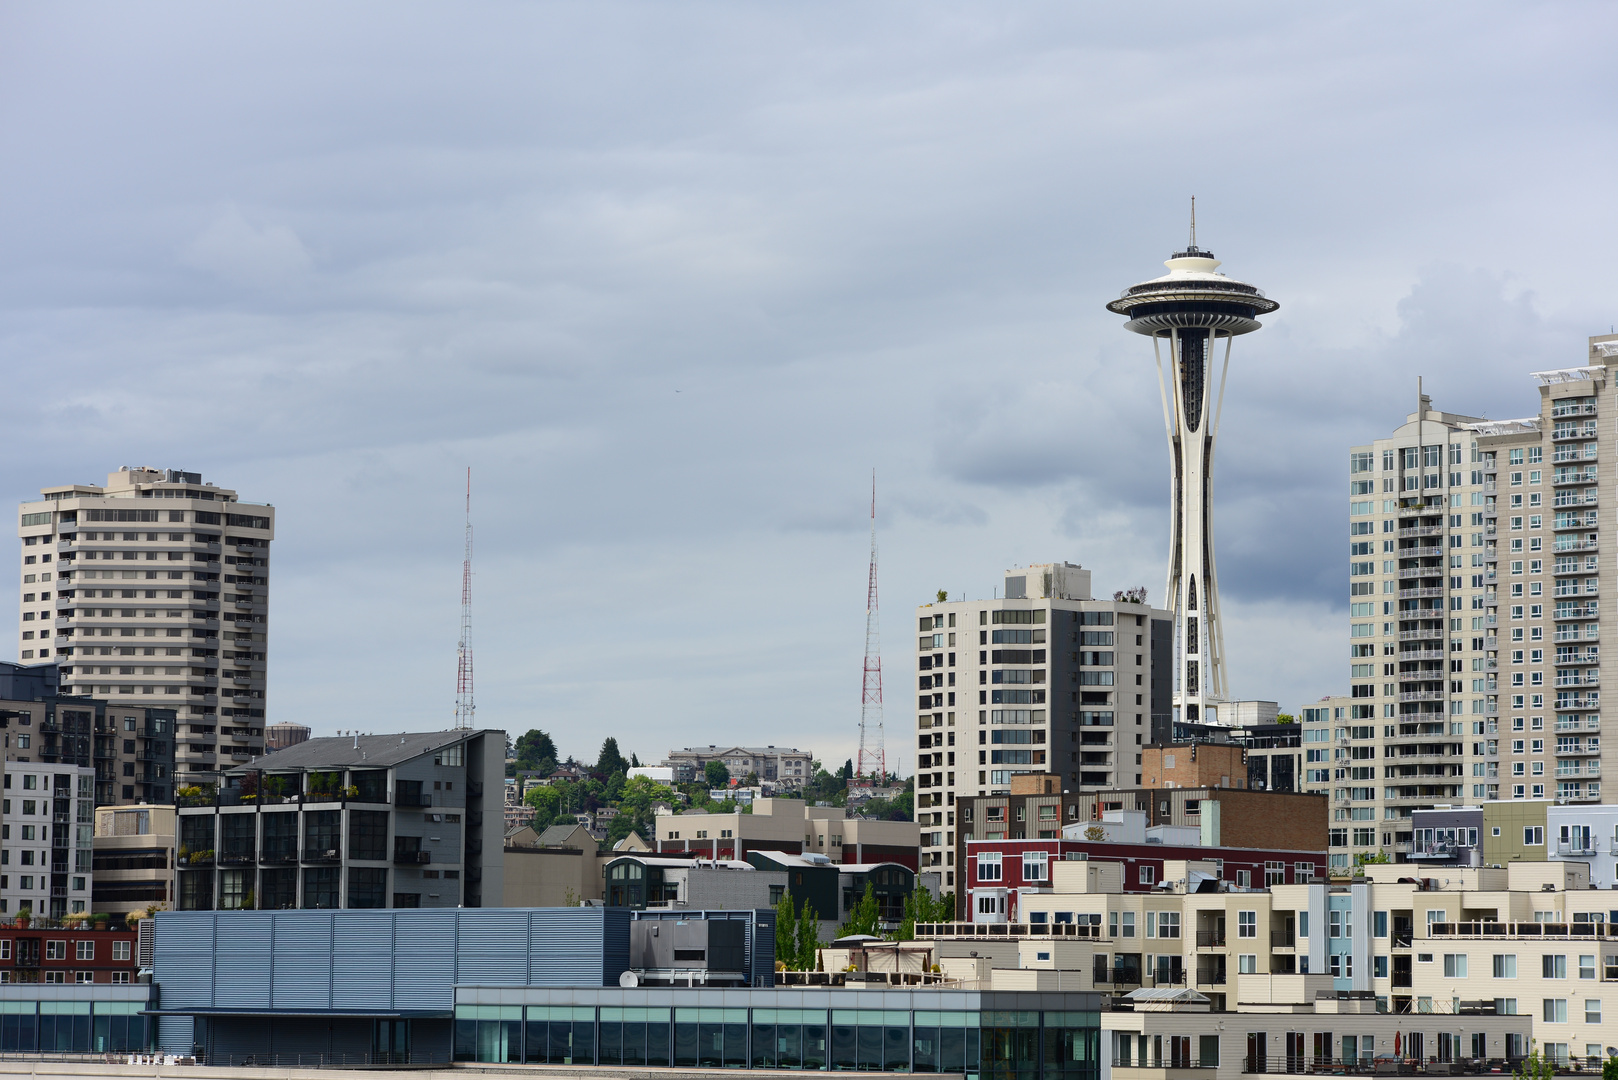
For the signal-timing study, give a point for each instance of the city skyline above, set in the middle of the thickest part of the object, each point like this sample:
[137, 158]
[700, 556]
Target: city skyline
[674, 328]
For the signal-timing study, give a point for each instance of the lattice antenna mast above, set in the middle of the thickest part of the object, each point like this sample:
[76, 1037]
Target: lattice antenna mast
[464, 707]
[872, 762]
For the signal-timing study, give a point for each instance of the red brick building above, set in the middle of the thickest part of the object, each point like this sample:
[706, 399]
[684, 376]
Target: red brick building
[1003, 869]
[38, 955]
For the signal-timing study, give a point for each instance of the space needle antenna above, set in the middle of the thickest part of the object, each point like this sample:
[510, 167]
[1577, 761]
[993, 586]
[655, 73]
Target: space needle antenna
[464, 707]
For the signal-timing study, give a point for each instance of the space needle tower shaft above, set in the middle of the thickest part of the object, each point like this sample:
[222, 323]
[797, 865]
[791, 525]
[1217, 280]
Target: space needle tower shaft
[1188, 313]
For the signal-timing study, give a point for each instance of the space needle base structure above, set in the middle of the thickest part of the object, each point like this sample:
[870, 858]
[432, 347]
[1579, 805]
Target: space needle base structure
[1186, 313]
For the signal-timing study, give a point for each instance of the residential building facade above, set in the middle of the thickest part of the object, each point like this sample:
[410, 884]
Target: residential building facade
[780, 766]
[46, 825]
[1475, 581]
[153, 590]
[75, 955]
[368, 821]
[131, 749]
[133, 859]
[1048, 679]
[789, 825]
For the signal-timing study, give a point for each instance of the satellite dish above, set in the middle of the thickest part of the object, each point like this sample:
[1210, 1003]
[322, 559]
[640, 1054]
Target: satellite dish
[629, 978]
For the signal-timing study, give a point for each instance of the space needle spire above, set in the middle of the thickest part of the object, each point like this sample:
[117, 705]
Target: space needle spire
[1186, 312]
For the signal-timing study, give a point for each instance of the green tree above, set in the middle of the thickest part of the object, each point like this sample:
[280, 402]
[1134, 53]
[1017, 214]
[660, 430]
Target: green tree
[634, 761]
[614, 789]
[1534, 1067]
[847, 771]
[547, 803]
[786, 932]
[536, 752]
[610, 760]
[866, 916]
[1285, 718]
[1609, 1069]
[808, 937]
[716, 774]
[943, 596]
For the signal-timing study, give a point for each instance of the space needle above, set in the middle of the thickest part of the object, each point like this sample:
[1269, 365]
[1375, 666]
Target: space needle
[1187, 311]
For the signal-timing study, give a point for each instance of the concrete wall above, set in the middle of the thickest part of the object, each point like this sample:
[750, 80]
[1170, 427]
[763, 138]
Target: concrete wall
[550, 877]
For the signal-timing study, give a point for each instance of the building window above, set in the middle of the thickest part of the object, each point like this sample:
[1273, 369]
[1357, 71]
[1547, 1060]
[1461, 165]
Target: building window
[84, 950]
[120, 951]
[988, 866]
[320, 887]
[1247, 924]
[367, 887]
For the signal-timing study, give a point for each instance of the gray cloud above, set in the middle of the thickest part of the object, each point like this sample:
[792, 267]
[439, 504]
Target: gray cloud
[675, 279]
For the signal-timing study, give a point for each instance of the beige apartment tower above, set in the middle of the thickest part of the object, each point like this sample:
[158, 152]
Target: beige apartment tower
[1480, 558]
[1044, 679]
[151, 591]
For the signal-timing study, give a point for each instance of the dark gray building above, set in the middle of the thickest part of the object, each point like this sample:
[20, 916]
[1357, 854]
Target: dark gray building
[1447, 836]
[131, 748]
[368, 821]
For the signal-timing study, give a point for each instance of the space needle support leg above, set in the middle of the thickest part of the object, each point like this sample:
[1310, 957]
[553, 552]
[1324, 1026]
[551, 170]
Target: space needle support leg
[1216, 632]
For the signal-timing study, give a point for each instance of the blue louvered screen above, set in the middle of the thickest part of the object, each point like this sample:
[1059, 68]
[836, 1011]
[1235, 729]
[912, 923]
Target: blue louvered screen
[241, 977]
[565, 946]
[362, 961]
[424, 959]
[301, 960]
[182, 960]
[378, 961]
[490, 951]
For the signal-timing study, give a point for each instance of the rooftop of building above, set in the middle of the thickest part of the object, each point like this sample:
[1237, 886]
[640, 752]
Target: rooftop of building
[755, 750]
[359, 751]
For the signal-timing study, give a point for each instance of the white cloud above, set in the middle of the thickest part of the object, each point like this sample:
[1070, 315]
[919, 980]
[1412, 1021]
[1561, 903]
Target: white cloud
[246, 254]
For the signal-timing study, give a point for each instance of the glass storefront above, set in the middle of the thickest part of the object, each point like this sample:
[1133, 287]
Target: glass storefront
[72, 1026]
[991, 1045]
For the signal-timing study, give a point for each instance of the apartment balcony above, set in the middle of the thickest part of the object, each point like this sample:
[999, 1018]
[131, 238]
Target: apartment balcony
[1421, 530]
[1568, 499]
[1416, 594]
[1422, 695]
[1586, 475]
[412, 858]
[1423, 654]
[322, 855]
[1577, 545]
[1591, 749]
[1207, 939]
[1578, 680]
[1282, 939]
[1573, 410]
[1433, 634]
[1589, 609]
[1422, 572]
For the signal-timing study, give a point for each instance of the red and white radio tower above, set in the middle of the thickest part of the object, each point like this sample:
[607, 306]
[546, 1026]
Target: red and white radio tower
[463, 677]
[872, 764]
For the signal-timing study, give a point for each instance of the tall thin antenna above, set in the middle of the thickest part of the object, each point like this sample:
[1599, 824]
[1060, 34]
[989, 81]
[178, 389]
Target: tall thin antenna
[872, 761]
[1193, 223]
[464, 707]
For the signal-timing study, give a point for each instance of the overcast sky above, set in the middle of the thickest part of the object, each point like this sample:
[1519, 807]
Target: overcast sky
[674, 278]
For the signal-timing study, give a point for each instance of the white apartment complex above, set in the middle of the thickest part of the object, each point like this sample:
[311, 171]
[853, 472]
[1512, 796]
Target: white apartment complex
[1478, 964]
[152, 591]
[1047, 679]
[47, 830]
[1476, 582]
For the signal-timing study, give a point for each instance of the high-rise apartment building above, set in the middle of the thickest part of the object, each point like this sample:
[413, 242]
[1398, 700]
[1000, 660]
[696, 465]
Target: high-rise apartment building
[1476, 579]
[151, 591]
[1047, 679]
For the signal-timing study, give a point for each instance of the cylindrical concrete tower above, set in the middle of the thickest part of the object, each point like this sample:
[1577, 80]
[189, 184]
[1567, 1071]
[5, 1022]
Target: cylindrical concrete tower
[1188, 310]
